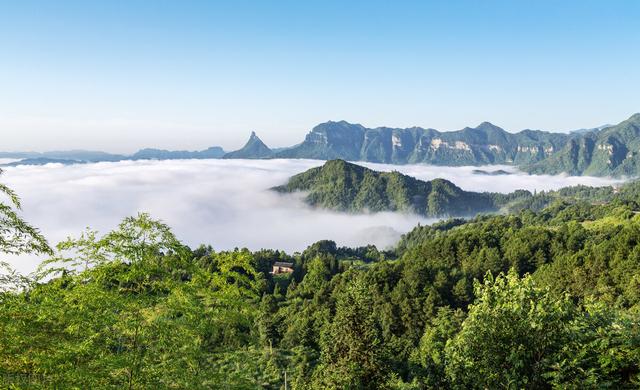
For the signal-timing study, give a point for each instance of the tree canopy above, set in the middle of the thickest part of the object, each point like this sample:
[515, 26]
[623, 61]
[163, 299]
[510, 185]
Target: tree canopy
[532, 299]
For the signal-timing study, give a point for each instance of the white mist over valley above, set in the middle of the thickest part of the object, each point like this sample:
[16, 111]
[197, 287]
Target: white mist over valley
[227, 203]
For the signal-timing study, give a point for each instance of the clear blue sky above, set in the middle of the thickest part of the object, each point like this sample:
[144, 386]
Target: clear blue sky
[118, 75]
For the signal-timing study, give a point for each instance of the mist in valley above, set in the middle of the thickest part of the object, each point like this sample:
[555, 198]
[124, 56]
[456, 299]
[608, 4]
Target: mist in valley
[226, 203]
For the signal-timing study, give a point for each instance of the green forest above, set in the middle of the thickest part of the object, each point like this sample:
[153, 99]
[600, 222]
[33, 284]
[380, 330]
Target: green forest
[544, 296]
[347, 187]
[343, 186]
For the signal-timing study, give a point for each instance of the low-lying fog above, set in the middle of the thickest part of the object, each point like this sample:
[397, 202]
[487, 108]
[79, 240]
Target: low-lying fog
[225, 203]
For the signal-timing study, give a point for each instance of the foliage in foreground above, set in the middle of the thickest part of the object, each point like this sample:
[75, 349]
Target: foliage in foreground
[533, 300]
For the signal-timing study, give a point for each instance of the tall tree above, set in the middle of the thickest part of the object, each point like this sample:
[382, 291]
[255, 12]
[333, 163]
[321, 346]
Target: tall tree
[352, 352]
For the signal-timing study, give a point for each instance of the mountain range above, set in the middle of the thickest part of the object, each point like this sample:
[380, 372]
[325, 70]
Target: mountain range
[86, 156]
[603, 151]
[613, 151]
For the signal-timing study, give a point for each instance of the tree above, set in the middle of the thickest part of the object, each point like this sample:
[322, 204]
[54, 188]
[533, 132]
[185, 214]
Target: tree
[17, 237]
[511, 334]
[352, 353]
[603, 351]
[430, 354]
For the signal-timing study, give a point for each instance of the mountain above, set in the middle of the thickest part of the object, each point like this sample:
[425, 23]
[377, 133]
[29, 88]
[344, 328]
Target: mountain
[78, 155]
[83, 155]
[18, 154]
[484, 144]
[65, 157]
[343, 186]
[613, 151]
[43, 161]
[330, 140]
[160, 154]
[86, 156]
[603, 151]
[591, 130]
[253, 149]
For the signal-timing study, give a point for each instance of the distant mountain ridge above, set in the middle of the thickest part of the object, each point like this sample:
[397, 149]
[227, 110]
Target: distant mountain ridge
[160, 154]
[70, 155]
[343, 186]
[590, 130]
[42, 161]
[614, 150]
[604, 151]
[610, 150]
[86, 156]
[485, 144]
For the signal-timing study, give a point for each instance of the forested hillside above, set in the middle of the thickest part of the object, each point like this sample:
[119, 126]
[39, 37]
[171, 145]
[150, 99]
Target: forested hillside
[546, 299]
[343, 186]
[613, 151]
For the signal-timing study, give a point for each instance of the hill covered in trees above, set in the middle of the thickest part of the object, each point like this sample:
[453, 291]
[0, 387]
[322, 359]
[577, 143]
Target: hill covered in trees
[343, 186]
[532, 299]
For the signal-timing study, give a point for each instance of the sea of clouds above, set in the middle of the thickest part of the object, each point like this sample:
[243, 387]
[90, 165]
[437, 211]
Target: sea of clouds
[225, 203]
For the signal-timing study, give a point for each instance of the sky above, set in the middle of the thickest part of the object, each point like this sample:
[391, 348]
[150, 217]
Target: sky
[121, 75]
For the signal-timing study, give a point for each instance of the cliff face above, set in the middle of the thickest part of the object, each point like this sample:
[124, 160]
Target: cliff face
[485, 144]
[612, 151]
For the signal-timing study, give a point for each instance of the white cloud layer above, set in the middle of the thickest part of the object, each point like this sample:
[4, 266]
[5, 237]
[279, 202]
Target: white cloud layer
[225, 203]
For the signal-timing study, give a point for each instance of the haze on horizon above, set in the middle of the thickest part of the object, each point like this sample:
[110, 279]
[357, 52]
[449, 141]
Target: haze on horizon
[188, 75]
